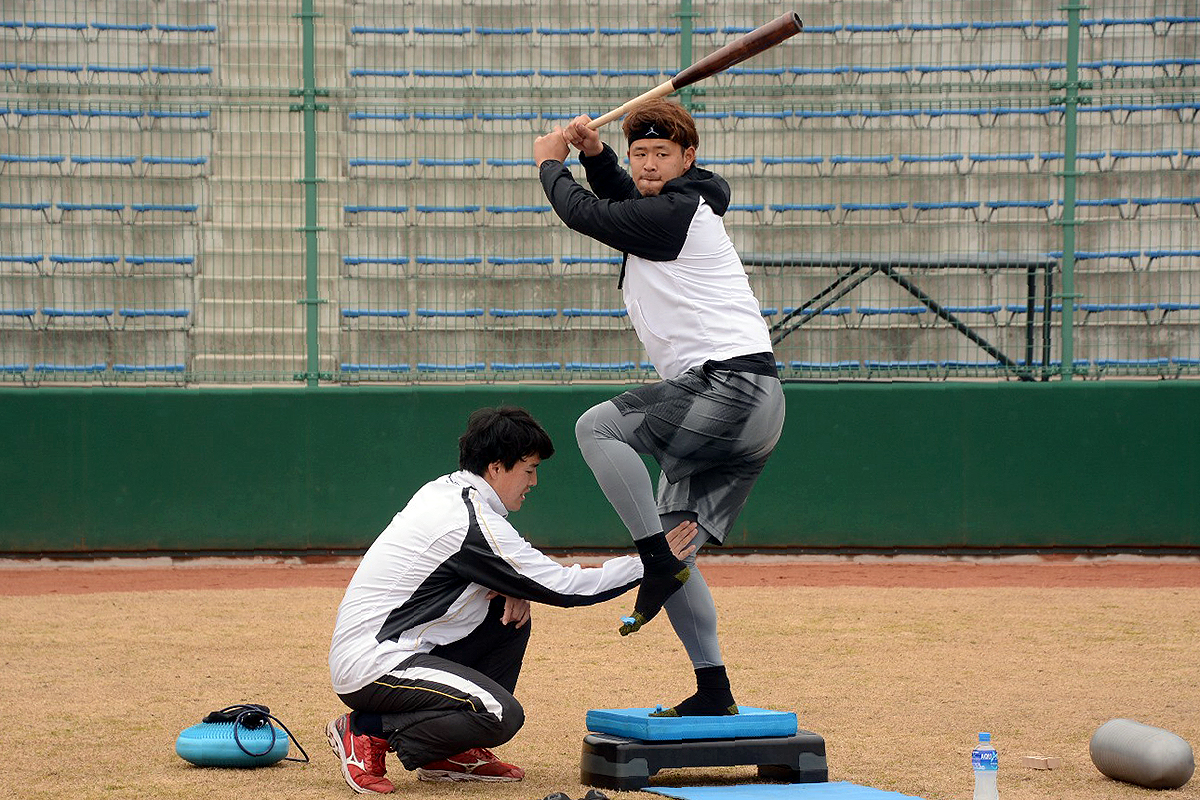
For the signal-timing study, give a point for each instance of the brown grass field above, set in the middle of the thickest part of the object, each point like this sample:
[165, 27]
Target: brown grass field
[897, 665]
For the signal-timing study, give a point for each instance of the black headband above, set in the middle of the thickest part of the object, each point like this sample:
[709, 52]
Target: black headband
[646, 131]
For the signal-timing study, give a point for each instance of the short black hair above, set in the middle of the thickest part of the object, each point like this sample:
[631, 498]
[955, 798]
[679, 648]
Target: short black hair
[506, 434]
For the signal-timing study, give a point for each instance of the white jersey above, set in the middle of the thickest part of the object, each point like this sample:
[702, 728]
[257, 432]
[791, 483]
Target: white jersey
[698, 306]
[685, 287]
[425, 580]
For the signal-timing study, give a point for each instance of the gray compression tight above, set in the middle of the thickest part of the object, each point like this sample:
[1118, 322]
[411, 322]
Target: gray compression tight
[603, 433]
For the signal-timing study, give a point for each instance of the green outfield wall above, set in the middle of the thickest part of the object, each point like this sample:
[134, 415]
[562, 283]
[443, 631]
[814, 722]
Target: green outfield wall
[861, 466]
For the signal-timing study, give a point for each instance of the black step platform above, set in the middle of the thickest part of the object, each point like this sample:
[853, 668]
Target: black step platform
[617, 762]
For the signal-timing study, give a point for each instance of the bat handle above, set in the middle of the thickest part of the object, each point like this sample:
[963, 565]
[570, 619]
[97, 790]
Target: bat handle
[662, 90]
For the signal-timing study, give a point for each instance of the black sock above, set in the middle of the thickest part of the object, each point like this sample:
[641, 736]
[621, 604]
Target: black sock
[713, 697]
[663, 575]
[656, 555]
[362, 723]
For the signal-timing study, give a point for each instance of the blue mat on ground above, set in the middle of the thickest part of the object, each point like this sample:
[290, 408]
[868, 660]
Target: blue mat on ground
[840, 790]
[636, 723]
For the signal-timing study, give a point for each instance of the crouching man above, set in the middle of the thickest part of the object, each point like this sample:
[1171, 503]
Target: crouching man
[432, 631]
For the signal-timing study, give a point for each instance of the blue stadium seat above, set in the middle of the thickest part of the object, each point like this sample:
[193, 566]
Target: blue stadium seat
[990, 310]
[1188, 256]
[207, 30]
[166, 212]
[1139, 203]
[41, 208]
[378, 72]
[1184, 111]
[601, 366]
[449, 313]
[518, 31]
[34, 261]
[613, 313]
[171, 317]
[26, 314]
[448, 261]
[858, 72]
[179, 263]
[84, 315]
[13, 117]
[855, 208]
[825, 366]
[396, 166]
[121, 27]
[42, 164]
[1133, 365]
[1174, 308]
[583, 30]
[900, 367]
[824, 210]
[521, 214]
[96, 72]
[519, 314]
[450, 166]
[975, 159]
[175, 370]
[383, 116]
[202, 73]
[166, 164]
[993, 206]
[104, 261]
[357, 31]
[367, 261]
[840, 160]
[387, 314]
[952, 205]
[848, 31]
[839, 312]
[915, 313]
[521, 261]
[954, 159]
[37, 26]
[28, 71]
[382, 369]
[1096, 158]
[195, 119]
[64, 209]
[355, 213]
[437, 30]
[938, 27]
[1099, 308]
[913, 115]
[47, 368]
[783, 162]
[526, 366]
[103, 162]
[428, 366]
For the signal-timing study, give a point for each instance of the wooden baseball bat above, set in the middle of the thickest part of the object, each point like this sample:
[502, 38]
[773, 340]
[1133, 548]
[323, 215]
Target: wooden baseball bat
[737, 51]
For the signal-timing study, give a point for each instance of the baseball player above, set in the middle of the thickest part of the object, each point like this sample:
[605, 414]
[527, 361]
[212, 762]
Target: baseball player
[714, 419]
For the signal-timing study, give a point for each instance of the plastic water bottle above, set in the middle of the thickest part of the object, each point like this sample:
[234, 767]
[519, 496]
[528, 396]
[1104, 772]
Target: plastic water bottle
[986, 764]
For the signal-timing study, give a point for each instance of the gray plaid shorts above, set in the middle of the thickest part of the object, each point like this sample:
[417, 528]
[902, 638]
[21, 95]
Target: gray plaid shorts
[711, 431]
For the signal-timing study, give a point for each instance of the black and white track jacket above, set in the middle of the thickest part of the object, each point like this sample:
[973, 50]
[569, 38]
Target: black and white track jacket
[685, 287]
[425, 580]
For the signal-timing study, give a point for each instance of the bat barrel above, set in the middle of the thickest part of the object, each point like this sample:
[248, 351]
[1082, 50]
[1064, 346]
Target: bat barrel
[737, 51]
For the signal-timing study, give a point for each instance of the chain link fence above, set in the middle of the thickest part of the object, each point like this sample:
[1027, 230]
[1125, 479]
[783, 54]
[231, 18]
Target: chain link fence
[196, 192]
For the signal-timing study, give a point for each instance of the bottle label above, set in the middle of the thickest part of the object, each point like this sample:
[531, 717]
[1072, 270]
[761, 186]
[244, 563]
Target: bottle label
[984, 760]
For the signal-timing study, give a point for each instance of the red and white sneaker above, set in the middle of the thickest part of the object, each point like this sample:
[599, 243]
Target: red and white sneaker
[476, 764]
[361, 757]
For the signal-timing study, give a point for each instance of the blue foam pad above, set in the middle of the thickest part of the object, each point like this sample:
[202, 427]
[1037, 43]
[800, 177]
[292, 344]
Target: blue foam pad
[774, 791]
[636, 723]
[212, 744]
